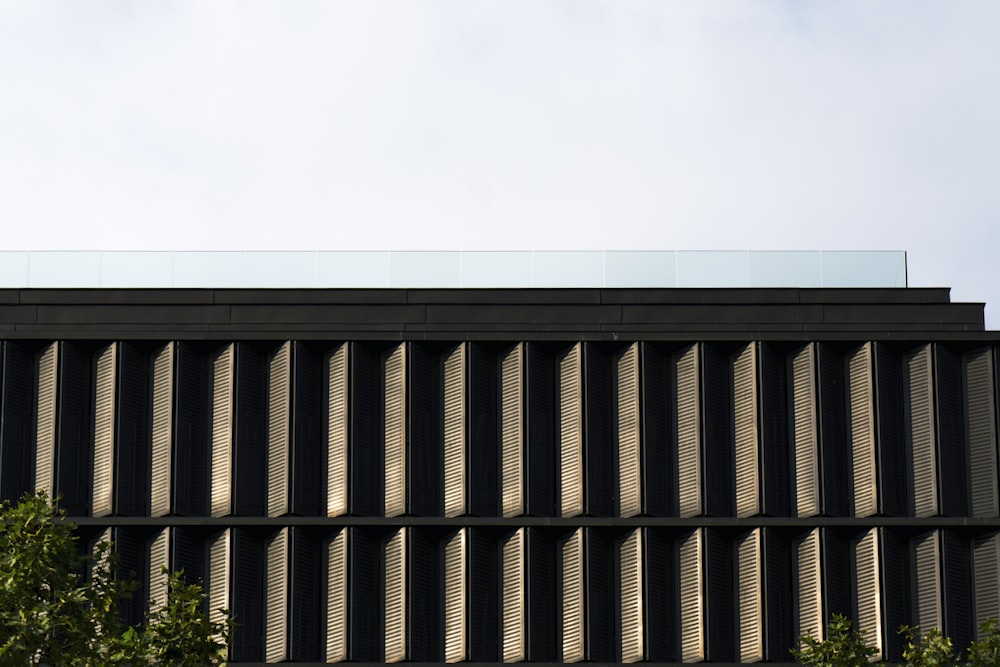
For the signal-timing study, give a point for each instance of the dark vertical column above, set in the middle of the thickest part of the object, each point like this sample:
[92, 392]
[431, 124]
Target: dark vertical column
[484, 596]
[366, 562]
[717, 419]
[658, 451]
[541, 431]
[16, 408]
[778, 603]
[484, 449]
[601, 475]
[190, 475]
[835, 480]
[835, 555]
[660, 595]
[775, 476]
[367, 479]
[424, 622]
[133, 447]
[952, 454]
[958, 585]
[719, 580]
[890, 447]
[307, 449]
[603, 619]
[250, 456]
[306, 584]
[75, 436]
[424, 414]
[542, 595]
[895, 567]
[187, 553]
[133, 565]
[247, 596]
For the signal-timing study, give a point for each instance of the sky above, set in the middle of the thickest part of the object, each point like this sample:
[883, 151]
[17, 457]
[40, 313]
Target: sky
[507, 124]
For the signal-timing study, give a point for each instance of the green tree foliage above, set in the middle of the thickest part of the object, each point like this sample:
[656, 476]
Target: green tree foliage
[60, 607]
[931, 649]
[985, 651]
[843, 647]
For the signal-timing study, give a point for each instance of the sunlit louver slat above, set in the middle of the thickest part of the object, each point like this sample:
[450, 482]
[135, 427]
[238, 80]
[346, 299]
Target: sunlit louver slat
[456, 597]
[159, 559]
[395, 597]
[455, 409]
[804, 432]
[920, 430]
[986, 575]
[276, 604]
[221, 414]
[868, 595]
[337, 407]
[336, 598]
[862, 431]
[395, 432]
[571, 432]
[807, 609]
[629, 438]
[162, 430]
[46, 419]
[573, 600]
[104, 431]
[514, 585]
[218, 579]
[688, 433]
[750, 589]
[631, 587]
[927, 589]
[747, 439]
[981, 431]
[512, 430]
[691, 581]
[279, 411]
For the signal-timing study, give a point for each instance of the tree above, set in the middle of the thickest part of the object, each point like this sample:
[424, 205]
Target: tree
[931, 649]
[60, 607]
[843, 647]
[985, 651]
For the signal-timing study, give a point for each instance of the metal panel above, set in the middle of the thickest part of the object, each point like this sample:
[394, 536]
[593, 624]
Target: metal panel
[691, 597]
[629, 434]
[631, 588]
[366, 458]
[809, 619]
[104, 431]
[660, 595]
[366, 591]
[599, 469]
[717, 424]
[335, 635]
[986, 575]
[455, 450]
[981, 431]
[250, 456]
[514, 629]
[750, 586]
[484, 610]
[192, 435]
[805, 432]
[132, 440]
[308, 451]
[456, 602]
[395, 597]
[162, 430]
[484, 446]
[512, 430]
[543, 570]
[221, 429]
[337, 429]
[75, 434]
[573, 600]
[276, 603]
[46, 420]
[658, 445]
[952, 453]
[16, 437]
[218, 579]
[279, 414]
[862, 431]
[601, 579]
[927, 594]
[248, 576]
[688, 432]
[571, 423]
[540, 417]
[746, 434]
[394, 409]
[920, 430]
[868, 591]
[425, 433]
[159, 567]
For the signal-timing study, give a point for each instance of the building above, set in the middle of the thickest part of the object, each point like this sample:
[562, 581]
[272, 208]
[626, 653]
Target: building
[551, 475]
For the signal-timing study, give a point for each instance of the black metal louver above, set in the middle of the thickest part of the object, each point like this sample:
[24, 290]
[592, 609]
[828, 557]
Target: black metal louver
[16, 408]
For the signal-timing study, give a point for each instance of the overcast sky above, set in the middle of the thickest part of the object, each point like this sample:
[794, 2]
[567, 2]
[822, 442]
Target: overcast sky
[507, 124]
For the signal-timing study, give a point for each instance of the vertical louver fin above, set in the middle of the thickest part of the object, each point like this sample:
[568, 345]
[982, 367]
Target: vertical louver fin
[306, 604]
[307, 457]
[691, 597]
[809, 618]
[927, 594]
[986, 574]
[514, 630]
[688, 432]
[16, 439]
[981, 431]
[631, 587]
[484, 447]
[425, 431]
[104, 430]
[75, 435]
[394, 409]
[456, 602]
[162, 430]
[775, 477]
[276, 605]
[661, 612]
[223, 366]
[571, 468]
[543, 572]
[540, 414]
[367, 576]
[868, 593]
[746, 434]
[805, 433]
[425, 632]
[838, 580]
[193, 436]
[919, 408]
[573, 600]
[337, 429]
[46, 420]
[892, 457]
[601, 612]
[599, 469]
[250, 453]
[629, 433]
[366, 487]
[485, 596]
[395, 597]
[132, 565]
[218, 580]
[833, 433]
[249, 579]
[658, 450]
[862, 430]
[952, 455]
[159, 558]
[455, 451]
[958, 596]
[279, 413]
[721, 599]
[133, 448]
[512, 430]
[750, 587]
[778, 596]
[335, 635]
[717, 422]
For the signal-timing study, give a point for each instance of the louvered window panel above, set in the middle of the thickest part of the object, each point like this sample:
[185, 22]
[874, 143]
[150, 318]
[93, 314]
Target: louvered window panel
[512, 430]
[543, 576]
[691, 596]
[188, 552]
[658, 450]
[46, 419]
[573, 633]
[276, 588]
[157, 572]
[217, 582]
[892, 455]
[338, 428]
[133, 449]
[104, 431]
[833, 433]
[717, 421]
[809, 618]
[484, 446]
[928, 595]
[631, 595]
[307, 456]
[249, 580]
[920, 430]
[750, 588]
[75, 435]
[600, 477]
[162, 430]
[455, 450]
[629, 433]
[952, 453]
[456, 601]
[958, 582]
[688, 432]
[805, 433]
[193, 436]
[571, 491]
[279, 413]
[395, 597]
[367, 590]
[425, 595]
[838, 579]
[660, 595]
[366, 459]
[250, 457]
[775, 474]
[981, 431]
[747, 438]
[335, 611]
[484, 609]
[394, 402]
[222, 365]
[514, 616]
[868, 593]
[721, 600]
[540, 417]
[986, 575]
[16, 438]
[862, 431]
[425, 462]
[601, 590]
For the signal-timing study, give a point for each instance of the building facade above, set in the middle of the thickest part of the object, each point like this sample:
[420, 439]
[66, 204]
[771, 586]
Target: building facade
[491, 475]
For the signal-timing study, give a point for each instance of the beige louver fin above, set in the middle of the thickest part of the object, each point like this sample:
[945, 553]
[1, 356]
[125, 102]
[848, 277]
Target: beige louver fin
[927, 568]
[512, 430]
[751, 596]
[162, 430]
[869, 593]
[513, 612]
[981, 433]
[692, 580]
[747, 440]
[395, 432]
[102, 498]
[222, 431]
[106, 535]
[219, 559]
[571, 432]
[986, 575]
[919, 382]
[276, 604]
[279, 414]
[45, 430]
[690, 502]
[573, 614]
[337, 432]
[631, 585]
[805, 432]
[629, 439]
[159, 558]
[395, 597]
[336, 598]
[808, 607]
[861, 397]
[455, 593]
[455, 464]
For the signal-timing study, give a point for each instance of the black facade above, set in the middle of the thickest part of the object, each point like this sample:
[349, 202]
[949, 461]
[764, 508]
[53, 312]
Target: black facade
[610, 475]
